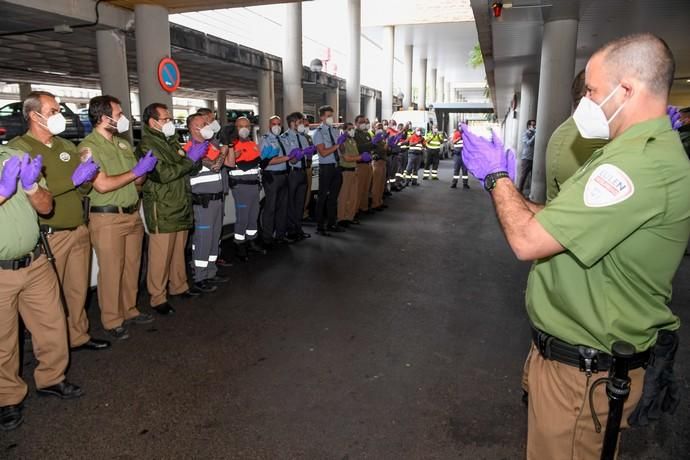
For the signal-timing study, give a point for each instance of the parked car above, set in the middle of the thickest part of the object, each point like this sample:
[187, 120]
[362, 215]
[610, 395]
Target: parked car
[84, 118]
[12, 120]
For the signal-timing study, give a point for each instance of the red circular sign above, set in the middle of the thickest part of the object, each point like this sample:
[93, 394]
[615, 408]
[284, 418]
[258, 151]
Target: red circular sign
[168, 75]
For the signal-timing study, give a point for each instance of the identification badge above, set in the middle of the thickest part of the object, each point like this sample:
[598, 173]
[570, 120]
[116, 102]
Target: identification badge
[65, 157]
[181, 152]
[122, 145]
[608, 185]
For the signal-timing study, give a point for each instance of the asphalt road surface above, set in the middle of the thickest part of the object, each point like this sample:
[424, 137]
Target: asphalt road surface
[401, 339]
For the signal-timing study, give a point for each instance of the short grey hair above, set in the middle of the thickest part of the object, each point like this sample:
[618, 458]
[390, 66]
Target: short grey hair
[32, 103]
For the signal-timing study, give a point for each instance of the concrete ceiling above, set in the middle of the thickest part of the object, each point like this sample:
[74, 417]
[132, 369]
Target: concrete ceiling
[512, 45]
[182, 6]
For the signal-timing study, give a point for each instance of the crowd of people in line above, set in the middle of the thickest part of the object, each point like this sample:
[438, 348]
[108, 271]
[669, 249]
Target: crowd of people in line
[59, 200]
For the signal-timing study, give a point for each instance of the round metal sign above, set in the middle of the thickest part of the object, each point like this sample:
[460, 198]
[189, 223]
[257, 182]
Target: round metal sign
[168, 75]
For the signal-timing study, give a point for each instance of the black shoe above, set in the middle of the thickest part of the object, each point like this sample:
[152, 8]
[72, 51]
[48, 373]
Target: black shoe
[223, 263]
[387, 193]
[355, 221]
[322, 232]
[466, 186]
[118, 333]
[434, 178]
[218, 279]
[11, 417]
[241, 251]
[205, 287]
[425, 178]
[63, 390]
[454, 185]
[304, 236]
[141, 318]
[344, 223]
[335, 229]
[525, 398]
[164, 309]
[415, 183]
[93, 345]
[384, 206]
[379, 209]
[191, 293]
[253, 247]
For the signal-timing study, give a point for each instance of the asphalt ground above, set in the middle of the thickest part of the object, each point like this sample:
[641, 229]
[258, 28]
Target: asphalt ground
[401, 339]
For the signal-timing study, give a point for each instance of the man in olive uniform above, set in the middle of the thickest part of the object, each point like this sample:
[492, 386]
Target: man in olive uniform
[364, 170]
[348, 198]
[114, 223]
[167, 205]
[28, 287]
[379, 164]
[64, 227]
[584, 290]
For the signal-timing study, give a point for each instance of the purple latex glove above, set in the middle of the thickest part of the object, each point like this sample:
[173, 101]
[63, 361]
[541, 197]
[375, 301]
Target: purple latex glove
[482, 157]
[674, 116]
[31, 170]
[511, 163]
[341, 139]
[295, 154]
[85, 172]
[145, 165]
[378, 138]
[197, 151]
[310, 151]
[365, 157]
[10, 175]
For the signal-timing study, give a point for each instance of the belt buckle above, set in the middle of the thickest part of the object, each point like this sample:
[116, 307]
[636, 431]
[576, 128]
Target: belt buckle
[589, 360]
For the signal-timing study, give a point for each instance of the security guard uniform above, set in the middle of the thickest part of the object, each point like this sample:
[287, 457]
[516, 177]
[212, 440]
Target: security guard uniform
[378, 182]
[364, 170]
[244, 183]
[168, 213]
[208, 191]
[116, 231]
[330, 178]
[434, 141]
[348, 199]
[309, 172]
[65, 227]
[28, 287]
[416, 151]
[297, 184]
[458, 164]
[274, 179]
[608, 285]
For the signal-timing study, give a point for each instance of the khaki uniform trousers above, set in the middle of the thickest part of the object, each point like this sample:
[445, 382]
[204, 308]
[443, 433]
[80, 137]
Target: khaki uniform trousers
[347, 198]
[117, 240]
[72, 251]
[364, 178]
[559, 421]
[378, 185]
[31, 292]
[307, 200]
[166, 264]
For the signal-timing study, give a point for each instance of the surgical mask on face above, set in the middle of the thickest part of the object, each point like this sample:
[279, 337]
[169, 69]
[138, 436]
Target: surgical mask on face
[206, 132]
[215, 126]
[275, 130]
[591, 120]
[363, 126]
[368, 126]
[301, 129]
[56, 124]
[351, 132]
[122, 124]
[168, 129]
[329, 121]
[243, 133]
[419, 133]
[379, 131]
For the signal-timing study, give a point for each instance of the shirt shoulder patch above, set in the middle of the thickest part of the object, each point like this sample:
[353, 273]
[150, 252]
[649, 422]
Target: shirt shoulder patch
[608, 185]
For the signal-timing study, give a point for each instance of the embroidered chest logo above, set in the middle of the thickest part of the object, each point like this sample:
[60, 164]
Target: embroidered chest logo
[608, 185]
[65, 157]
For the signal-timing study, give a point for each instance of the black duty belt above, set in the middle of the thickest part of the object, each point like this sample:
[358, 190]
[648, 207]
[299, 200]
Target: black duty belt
[21, 262]
[587, 359]
[345, 169]
[296, 169]
[362, 162]
[326, 165]
[115, 209]
[245, 181]
[207, 197]
[47, 229]
[275, 173]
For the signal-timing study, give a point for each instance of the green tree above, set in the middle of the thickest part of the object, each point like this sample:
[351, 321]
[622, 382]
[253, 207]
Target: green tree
[476, 58]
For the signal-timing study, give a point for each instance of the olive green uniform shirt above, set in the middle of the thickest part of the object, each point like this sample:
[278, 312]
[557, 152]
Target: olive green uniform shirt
[18, 219]
[624, 220]
[349, 148]
[114, 157]
[565, 153]
[60, 159]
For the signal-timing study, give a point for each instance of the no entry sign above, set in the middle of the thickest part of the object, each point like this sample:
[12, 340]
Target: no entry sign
[168, 75]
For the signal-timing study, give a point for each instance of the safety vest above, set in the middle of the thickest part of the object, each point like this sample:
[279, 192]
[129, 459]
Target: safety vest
[246, 156]
[457, 139]
[434, 141]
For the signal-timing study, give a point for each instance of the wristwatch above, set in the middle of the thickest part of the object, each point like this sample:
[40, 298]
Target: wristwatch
[490, 180]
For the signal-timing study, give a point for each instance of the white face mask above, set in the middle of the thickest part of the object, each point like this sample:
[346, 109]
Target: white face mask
[56, 124]
[591, 120]
[275, 129]
[243, 133]
[368, 126]
[351, 132]
[363, 126]
[122, 124]
[301, 129]
[215, 126]
[329, 121]
[206, 132]
[168, 129]
[379, 131]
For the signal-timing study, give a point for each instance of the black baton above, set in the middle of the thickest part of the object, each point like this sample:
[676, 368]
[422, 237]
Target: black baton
[51, 259]
[617, 390]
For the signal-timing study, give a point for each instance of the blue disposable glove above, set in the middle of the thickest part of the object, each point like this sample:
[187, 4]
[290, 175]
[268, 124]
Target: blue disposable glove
[9, 177]
[268, 152]
[365, 157]
[483, 157]
[674, 116]
[341, 139]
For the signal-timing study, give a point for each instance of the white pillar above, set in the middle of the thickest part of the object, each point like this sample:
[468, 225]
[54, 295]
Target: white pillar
[292, 60]
[440, 87]
[528, 103]
[153, 44]
[421, 102]
[353, 92]
[388, 57]
[333, 99]
[446, 93]
[407, 102]
[371, 108]
[267, 106]
[222, 103]
[112, 66]
[432, 87]
[559, 44]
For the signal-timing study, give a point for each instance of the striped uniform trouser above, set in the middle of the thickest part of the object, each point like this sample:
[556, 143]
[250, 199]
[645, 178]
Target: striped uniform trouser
[208, 224]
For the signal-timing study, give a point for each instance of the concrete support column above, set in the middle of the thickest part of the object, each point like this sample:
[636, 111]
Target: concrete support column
[332, 99]
[432, 87]
[354, 22]
[528, 103]
[222, 104]
[371, 108]
[407, 89]
[421, 101]
[24, 90]
[267, 99]
[440, 89]
[388, 57]
[292, 60]
[557, 66]
[446, 93]
[153, 44]
[112, 67]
